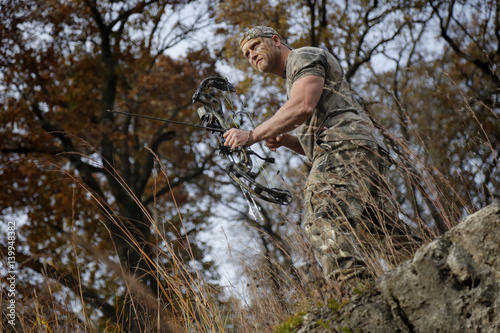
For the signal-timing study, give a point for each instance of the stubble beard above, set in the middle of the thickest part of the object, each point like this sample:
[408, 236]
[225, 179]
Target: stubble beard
[268, 60]
[262, 66]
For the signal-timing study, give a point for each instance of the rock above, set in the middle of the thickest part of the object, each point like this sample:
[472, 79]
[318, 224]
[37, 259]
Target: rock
[451, 285]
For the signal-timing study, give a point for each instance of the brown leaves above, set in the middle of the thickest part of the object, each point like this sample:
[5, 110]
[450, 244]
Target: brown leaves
[66, 162]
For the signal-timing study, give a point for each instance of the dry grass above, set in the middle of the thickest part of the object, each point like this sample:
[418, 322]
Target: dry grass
[274, 291]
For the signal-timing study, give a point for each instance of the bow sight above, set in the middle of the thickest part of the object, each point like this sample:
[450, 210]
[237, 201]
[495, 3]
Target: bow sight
[240, 167]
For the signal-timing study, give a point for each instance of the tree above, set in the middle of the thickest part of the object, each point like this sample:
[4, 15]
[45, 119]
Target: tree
[406, 37]
[355, 32]
[90, 180]
[454, 86]
[427, 72]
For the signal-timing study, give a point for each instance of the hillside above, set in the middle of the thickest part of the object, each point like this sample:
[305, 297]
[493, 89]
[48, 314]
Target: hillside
[451, 285]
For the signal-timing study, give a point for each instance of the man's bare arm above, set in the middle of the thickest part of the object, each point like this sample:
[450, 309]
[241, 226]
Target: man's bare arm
[304, 97]
[285, 140]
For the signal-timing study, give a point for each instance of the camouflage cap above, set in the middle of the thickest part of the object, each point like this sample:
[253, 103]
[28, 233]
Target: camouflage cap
[260, 31]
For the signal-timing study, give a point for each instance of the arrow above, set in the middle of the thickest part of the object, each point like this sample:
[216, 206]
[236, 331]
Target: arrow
[213, 129]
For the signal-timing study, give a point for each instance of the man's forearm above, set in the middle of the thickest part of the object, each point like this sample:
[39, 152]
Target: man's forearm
[290, 116]
[292, 142]
[304, 97]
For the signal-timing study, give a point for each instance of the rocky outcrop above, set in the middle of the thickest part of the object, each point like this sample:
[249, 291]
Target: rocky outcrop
[451, 285]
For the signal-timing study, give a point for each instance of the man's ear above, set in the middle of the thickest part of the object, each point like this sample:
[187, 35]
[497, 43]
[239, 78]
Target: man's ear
[276, 40]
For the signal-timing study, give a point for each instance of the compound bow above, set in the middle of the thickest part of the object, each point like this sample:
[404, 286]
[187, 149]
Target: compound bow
[240, 167]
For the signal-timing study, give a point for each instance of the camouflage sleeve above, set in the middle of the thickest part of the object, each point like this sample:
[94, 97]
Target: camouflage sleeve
[305, 62]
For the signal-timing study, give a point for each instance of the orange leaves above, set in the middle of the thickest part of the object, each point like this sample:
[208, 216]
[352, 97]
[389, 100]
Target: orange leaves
[64, 160]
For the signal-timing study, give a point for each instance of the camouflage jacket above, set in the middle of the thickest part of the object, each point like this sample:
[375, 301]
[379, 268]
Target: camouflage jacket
[337, 116]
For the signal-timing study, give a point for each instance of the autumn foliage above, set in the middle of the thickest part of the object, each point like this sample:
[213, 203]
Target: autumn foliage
[109, 207]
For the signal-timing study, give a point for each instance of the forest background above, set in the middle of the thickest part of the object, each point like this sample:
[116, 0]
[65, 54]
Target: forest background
[121, 223]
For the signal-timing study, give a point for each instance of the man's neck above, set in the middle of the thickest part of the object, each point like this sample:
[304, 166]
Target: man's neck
[280, 67]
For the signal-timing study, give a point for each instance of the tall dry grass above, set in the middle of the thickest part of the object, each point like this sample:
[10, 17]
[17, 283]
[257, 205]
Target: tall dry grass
[274, 292]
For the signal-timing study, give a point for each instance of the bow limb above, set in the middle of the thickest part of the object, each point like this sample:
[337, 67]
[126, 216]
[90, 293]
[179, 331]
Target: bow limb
[247, 181]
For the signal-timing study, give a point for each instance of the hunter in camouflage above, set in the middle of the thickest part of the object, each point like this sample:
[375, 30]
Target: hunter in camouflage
[348, 165]
[345, 190]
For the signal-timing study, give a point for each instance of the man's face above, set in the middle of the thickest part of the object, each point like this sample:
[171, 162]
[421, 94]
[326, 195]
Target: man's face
[262, 53]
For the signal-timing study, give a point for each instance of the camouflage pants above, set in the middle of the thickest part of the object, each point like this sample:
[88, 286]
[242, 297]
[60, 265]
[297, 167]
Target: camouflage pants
[346, 192]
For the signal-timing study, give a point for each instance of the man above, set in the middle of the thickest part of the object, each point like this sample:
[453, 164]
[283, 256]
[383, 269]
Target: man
[345, 188]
